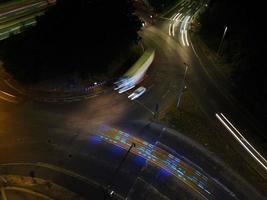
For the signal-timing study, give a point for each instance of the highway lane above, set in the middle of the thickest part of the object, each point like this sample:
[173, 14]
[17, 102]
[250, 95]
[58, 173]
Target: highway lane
[33, 125]
[17, 15]
[9, 13]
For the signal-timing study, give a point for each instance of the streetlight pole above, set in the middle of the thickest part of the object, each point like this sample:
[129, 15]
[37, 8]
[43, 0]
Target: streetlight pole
[116, 172]
[221, 43]
[182, 87]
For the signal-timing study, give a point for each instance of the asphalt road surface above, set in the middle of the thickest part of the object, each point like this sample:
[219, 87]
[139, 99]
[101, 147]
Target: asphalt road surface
[67, 135]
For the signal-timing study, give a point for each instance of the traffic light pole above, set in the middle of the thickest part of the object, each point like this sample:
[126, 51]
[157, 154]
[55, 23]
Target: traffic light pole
[116, 171]
[221, 43]
[182, 87]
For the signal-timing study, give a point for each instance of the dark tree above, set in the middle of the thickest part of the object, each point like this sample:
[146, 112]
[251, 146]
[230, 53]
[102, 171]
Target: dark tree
[75, 36]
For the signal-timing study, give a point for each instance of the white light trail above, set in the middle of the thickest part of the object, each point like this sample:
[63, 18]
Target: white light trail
[183, 31]
[173, 29]
[244, 139]
[175, 23]
[176, 16]
[21, 8]
[170, 29]
[173, 17]
[183, 38]
[136, 73]
[241, 139]
[170, 26]
[186, 38]
[10, 95]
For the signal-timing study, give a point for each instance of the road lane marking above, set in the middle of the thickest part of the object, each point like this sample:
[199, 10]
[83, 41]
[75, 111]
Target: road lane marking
[166, 93]
[144, 106]
[150, 87]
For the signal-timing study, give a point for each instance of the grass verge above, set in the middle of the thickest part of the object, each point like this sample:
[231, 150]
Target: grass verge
[191, 121]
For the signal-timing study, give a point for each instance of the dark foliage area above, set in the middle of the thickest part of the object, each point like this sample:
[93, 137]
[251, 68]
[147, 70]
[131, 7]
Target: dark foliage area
[159, 5]
[244, 47]
[75, 36]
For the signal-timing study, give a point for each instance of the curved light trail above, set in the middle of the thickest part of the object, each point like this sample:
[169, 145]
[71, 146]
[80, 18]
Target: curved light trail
[162, 158]
[183, 31]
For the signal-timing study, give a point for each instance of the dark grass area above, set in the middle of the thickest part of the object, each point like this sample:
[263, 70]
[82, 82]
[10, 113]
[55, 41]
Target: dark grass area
[191, 121]
[242, 50]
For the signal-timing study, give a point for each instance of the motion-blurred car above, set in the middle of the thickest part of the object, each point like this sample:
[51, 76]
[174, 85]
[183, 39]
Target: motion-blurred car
[137, 93]
[126, 88]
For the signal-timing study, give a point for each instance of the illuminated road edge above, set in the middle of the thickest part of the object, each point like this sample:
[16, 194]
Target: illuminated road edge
[240, 138]
[198, 181]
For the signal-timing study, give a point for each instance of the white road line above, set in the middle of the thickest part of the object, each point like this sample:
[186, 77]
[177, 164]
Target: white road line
[144, 106]
[150, 87]
[166, 93]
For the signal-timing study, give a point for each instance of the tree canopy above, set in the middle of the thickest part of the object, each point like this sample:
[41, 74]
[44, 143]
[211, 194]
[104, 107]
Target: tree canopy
[75, 36]
[159, 5]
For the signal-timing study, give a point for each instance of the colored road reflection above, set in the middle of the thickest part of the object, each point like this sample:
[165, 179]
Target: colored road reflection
[158, 156]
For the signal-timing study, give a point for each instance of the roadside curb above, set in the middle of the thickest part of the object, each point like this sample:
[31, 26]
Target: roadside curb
[64, 178]
[52, 98]
[37, 187]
